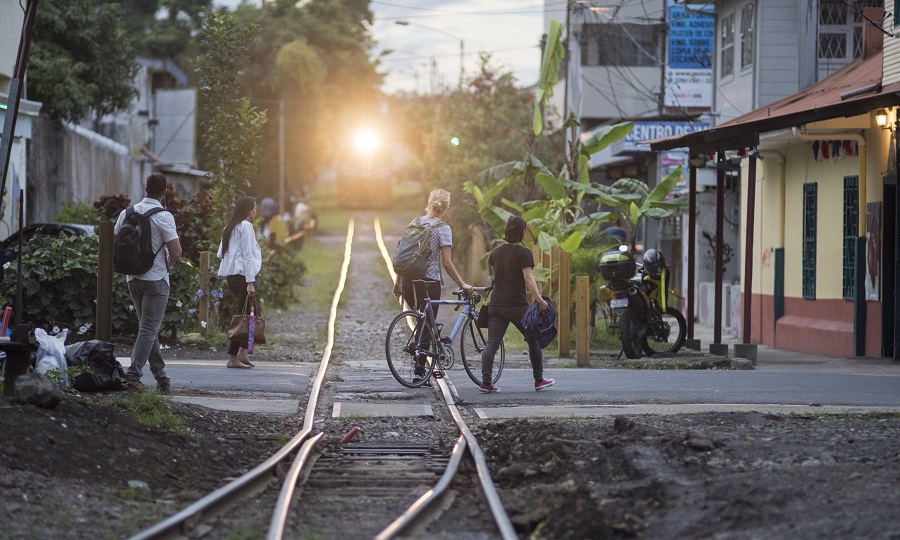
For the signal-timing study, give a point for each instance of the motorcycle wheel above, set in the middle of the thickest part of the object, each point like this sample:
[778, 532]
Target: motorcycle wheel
[669, 337]
[629, 334]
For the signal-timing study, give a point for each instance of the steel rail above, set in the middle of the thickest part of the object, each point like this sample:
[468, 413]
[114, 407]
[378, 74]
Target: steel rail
[258, 477]
[484, 474]
[501, 518]
[418, 513]
[279, 516]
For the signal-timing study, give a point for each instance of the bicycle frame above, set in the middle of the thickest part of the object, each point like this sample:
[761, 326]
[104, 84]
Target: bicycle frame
[467, 309]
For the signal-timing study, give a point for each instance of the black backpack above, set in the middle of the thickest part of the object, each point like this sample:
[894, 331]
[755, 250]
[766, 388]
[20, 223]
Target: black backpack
[414, 249]
[133, 249]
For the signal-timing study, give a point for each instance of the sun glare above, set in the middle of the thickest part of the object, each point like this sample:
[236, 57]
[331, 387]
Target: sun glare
[366, 140]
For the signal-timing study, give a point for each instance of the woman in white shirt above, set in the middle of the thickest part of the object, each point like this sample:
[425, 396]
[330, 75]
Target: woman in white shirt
[241, 262]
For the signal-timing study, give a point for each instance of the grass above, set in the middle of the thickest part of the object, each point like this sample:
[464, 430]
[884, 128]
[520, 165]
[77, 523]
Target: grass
[151, 409]
[323, 270]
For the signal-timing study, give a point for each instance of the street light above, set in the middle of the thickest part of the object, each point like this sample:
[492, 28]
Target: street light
[462, 46]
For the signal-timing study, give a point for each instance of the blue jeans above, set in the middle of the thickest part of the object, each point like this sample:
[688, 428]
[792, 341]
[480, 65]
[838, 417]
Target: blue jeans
[150, 299]
[498, 323]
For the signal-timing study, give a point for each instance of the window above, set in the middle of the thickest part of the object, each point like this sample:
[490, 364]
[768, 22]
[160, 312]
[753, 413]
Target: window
[726, 62]
[840, 29]
[851, 232]
[635, 45]
[747, 36]
[809, 240]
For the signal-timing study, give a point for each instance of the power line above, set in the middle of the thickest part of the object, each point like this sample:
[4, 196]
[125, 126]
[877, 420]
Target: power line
[452, 12]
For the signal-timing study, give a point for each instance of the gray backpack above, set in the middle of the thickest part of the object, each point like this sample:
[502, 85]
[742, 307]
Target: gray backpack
[414, 249]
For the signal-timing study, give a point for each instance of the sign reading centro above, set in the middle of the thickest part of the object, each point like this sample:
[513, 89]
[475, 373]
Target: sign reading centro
[647, 131]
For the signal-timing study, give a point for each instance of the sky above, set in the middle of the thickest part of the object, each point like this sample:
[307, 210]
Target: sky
[424, 55]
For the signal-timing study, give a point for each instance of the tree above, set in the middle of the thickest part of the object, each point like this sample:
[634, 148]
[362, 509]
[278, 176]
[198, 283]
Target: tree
[163, 28]
[562, 218]
[314, 56]
[490, 120]
[81, 60]
[233, 127]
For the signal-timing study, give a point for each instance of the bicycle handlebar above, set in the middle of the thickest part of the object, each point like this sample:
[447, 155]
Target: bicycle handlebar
[462, 292]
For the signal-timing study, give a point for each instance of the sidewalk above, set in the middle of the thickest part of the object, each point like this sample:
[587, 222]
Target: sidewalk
[771, 359]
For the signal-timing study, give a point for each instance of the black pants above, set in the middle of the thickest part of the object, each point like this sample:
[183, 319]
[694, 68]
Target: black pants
[238, 286]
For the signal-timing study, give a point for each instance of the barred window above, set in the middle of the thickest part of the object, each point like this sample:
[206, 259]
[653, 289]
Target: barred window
[851, 233]
[840, 28]
[809, 240]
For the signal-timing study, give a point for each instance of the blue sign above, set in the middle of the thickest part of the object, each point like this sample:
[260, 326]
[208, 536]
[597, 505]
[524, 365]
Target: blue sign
[648, 131]
[692, 34]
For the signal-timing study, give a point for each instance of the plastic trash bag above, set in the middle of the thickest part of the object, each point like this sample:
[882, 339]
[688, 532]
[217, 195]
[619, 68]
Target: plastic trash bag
[106, 373]
[51, 353]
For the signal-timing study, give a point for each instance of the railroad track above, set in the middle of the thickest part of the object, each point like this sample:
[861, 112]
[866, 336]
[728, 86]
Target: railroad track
[413, 481]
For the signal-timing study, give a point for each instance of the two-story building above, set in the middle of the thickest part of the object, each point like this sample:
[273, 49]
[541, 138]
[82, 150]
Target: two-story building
[819, 214]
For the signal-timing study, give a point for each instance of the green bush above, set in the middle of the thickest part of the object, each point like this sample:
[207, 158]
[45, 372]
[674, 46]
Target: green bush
[280, 277]
[59, 279]
[77, 213]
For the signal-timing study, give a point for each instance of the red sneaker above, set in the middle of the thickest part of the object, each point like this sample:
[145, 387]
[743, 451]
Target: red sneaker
[543, 384]
[486, 388]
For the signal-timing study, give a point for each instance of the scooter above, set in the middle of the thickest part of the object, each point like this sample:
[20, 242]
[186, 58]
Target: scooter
[638, 295]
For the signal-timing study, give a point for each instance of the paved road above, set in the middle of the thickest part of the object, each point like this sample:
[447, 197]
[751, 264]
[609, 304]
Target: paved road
[617, 386]
[270, 387]
[780, 377]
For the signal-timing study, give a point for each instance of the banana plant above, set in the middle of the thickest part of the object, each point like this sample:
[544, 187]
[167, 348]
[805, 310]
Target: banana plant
[561, 219]
[635, 200]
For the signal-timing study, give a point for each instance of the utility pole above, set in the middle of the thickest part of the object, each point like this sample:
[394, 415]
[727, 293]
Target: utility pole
[15, 89]
[280, 158]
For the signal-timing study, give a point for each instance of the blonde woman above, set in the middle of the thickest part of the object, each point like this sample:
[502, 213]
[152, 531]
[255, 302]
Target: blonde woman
[441, 252]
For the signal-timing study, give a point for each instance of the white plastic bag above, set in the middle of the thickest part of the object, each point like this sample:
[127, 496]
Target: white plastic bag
[51, 353]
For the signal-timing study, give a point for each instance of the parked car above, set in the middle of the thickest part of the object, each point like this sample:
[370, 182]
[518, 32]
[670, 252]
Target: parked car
[9, 247]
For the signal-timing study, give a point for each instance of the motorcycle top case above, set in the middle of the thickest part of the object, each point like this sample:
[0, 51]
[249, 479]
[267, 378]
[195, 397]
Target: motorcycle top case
[617, 265]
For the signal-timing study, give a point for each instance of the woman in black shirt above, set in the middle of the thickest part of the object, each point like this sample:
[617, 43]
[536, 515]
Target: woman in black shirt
[512, 266]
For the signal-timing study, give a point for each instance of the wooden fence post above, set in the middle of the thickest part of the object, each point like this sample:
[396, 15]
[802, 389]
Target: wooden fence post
[563, 311]
[582, 321]
[203, 308]
[475, 274]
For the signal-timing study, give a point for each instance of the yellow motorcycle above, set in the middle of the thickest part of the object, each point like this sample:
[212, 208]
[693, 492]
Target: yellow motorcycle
[638, 295]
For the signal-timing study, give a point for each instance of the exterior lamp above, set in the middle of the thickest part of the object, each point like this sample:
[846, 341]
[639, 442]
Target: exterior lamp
[881, 119]
[697, 161]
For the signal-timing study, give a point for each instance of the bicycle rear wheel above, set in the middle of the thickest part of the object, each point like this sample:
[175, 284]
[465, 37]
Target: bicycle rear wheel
[472, 342]
[401, 352]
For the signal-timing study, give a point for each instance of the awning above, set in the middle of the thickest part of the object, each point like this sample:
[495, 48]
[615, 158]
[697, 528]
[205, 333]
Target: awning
[852, 90]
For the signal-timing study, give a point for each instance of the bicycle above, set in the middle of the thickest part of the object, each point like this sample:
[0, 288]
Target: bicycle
[415, 348]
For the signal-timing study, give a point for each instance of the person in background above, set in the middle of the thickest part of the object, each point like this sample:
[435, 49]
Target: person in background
[150, 290]
[268, 210]
[512, 266]
[241, 262]
[441, 252]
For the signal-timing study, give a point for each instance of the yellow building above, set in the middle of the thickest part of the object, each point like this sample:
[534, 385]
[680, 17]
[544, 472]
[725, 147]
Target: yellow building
[818, 170]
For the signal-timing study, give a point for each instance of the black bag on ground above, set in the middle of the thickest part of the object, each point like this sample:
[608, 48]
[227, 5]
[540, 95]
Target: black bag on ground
[133, 248]
[106, 372]
[414, 249]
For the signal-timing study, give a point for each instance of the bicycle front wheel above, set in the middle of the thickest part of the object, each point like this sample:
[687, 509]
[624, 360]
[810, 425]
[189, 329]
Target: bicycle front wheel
[410, 364]
[472, 343]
